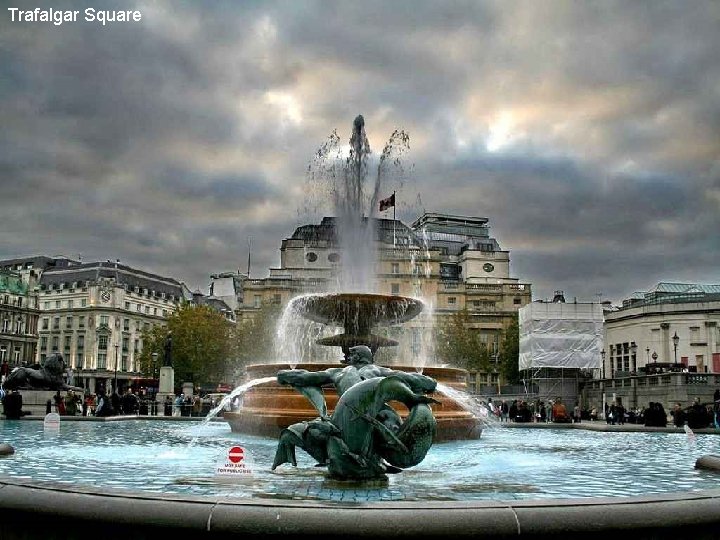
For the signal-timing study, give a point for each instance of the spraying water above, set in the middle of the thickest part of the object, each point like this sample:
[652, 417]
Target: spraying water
[469, 403]
[344, 182]
[236, 393]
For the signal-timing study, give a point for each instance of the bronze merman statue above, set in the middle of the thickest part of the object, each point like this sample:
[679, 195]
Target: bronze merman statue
[364, 438]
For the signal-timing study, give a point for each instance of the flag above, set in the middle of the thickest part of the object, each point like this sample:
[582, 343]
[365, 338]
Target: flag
[387, 203]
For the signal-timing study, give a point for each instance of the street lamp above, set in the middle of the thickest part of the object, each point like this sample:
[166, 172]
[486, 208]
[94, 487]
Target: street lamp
[154, 363]
[153, 404]
[675, 340]
[647, 351]
[116, 366]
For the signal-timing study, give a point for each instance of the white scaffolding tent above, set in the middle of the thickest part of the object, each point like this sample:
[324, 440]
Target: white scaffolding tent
[557, 341]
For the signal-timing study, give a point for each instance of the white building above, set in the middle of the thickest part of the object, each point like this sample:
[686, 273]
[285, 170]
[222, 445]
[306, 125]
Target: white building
[675, 323]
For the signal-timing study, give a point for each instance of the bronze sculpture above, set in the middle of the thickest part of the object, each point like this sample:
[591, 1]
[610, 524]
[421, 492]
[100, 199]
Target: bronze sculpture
[364, 438]
[49, 376]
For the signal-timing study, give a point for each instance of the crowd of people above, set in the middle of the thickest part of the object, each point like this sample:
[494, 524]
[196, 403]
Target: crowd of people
[101, 404]
[697, 415]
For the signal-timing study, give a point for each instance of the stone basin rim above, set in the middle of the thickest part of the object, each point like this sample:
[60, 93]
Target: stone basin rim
[24, 504]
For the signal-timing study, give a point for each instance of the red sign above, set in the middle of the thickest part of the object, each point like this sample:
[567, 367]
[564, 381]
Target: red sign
[236, 454]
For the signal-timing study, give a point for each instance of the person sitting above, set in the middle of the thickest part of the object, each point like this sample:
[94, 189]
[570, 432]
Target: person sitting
[559, 413]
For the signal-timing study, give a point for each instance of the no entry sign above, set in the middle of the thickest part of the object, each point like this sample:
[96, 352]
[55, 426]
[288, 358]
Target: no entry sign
[234, 462]
[236, 454]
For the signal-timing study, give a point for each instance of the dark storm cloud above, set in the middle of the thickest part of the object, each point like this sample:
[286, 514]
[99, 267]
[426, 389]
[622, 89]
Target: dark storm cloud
[589, 133]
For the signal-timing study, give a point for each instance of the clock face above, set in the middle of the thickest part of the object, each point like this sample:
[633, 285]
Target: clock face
[105, 295]
[488, 267]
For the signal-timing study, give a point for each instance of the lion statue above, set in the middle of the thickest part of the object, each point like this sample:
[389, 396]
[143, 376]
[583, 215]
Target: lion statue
[48, 377]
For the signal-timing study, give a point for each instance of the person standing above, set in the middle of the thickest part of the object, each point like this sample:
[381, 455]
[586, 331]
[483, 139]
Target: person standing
[577, 413]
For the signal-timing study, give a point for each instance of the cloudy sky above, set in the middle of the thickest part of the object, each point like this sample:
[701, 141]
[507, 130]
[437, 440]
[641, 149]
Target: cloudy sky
[587, 132]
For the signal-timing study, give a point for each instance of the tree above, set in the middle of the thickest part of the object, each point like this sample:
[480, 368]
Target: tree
[255, 336]
[510, 353]
[201, 345]
[458, 343]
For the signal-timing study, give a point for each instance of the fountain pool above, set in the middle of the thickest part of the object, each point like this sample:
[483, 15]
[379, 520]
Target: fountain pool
[506, 464]
[148, 479]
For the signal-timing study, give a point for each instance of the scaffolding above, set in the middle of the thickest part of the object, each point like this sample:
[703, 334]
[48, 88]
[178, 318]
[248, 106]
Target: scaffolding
[559, 344]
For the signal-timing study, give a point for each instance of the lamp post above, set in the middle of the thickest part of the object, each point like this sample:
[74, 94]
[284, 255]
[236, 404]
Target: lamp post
[116, 366]
[647, 352]
[612, 368]
[675, 340]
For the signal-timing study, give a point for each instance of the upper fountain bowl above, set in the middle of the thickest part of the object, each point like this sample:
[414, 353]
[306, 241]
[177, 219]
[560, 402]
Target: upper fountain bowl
[359, 312]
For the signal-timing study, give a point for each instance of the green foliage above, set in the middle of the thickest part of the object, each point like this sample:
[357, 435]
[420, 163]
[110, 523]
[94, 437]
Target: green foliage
[201, 345]
[254, 338]
[510, 353]
[459, 345]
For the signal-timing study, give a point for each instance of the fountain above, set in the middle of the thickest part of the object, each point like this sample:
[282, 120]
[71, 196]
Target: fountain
[270, 408]
[146, 479]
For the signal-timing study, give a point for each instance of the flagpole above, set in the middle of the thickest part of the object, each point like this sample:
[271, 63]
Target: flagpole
[393, 195]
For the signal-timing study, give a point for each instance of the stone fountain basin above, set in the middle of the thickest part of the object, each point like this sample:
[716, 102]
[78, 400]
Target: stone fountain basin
[359, 310]
[30, 510]
[269, 408]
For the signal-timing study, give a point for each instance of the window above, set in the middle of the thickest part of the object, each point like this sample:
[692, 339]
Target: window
[5, 326]
[81, 342]
[126, 325]
[3, 353]
[55, 342]
[102, 343]
[71, 304]
[56, 323]
[19, 301]
[43, 343]
[452, 301]
[102, 360]
[147, 310]
[257, 300]
[395, 289]
[124, 364]
[58, 304]
[127, 306]
[68, 322]
[16, 355]
[18, 326]
[104, 320]
[66, 348]
[311, 257]
[276, 299]
[517, 301]
[164, 312]
[125, 344]
[83, 302]
[334, 257]
[154, 311]
[80, 360]
[395, 268]
[46, 305]
[81, 321]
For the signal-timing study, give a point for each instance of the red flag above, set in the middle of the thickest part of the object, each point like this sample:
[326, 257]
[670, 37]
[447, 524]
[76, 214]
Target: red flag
[387, 203]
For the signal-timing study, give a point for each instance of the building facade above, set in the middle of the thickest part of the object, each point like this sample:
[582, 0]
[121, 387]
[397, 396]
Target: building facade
[95, 314]
[451, 262]
[18, 320]
[660, 346]
[675, 323]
